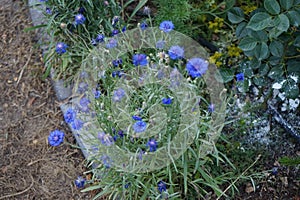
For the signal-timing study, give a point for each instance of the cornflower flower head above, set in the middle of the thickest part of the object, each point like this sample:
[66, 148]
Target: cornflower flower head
[196, 67]
[56, 137]
[140, 59]
[61, 48]
[161, 186]
[176, 52]
[160, 44]
[136, 118]
[240, 76]
[118, 95]
[79, 19]
[48, 11]
[106, 161]
[211, 108]
[152, 144]
[79, 182]
[70, 115]
[112, 42]
[114, 32]
[139, 126]
[77, 124]
[100, 38]
[143, 25]
[166, 101]
[166, 26]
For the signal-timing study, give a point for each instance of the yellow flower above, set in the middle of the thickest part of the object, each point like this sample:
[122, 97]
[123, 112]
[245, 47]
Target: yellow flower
[216, 24]
[248, 9]
[215, 58]
[234, 51]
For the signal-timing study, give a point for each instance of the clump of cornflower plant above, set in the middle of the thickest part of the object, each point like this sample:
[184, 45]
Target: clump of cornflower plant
[146, 114]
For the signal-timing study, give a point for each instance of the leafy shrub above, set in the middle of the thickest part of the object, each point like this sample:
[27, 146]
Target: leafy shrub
[269, 36]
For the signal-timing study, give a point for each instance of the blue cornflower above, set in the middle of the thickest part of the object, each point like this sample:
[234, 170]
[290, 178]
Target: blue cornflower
[81, 10]
[82, 87]
[48, 11]
[117, 73]
[105, 139]
[136, 118]
[112, 43]
[176, 52]
[152, 144]
[94, 42]
[97, 93]
[160, 44]
[211, 108]
[126, 186]
[161, 186]
[70, 115]
[117, 62]
[61, 48]
[124, 29]
[196, 67]
[166, 101]
[166, 26]
[84, 104]
[56, 138]
[240, 77]
[115, 20]
[140, 59]
[121, 133]
[139, 126]
[100, 38]
[114, 32]
[106, 161]
[143, 25]
[79, 182]
[118, 95]
[175, 78]
[77, 124]
[79, 19]
[43, 0]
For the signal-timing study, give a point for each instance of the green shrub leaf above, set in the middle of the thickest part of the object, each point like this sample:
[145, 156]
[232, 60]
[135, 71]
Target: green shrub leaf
[291, 89]
[264, 69]
[259, 35]
[276, 48]
[282, 22]
[247, 43]
[241, 30]
[259, 21]
[286, 4]
[297, 41]
[236, 15]
[226, 75]
[294, 17]
[272, 6]
[261, 51]
[276, 73]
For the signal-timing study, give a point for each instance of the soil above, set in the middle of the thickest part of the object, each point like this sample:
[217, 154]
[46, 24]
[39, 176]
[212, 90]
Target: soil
[30, 168]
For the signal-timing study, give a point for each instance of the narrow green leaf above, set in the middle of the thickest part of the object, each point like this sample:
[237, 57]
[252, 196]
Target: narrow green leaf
[138, 7]
[272, 6]
[259, 21]
[276, 48]
[247, 43]
[34, 27]
[286, 4]
[236, 15]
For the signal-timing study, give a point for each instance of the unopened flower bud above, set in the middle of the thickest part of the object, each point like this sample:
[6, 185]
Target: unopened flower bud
[63, 25]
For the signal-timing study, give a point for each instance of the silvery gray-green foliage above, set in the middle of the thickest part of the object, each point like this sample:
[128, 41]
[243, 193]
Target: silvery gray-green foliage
[270, 38]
